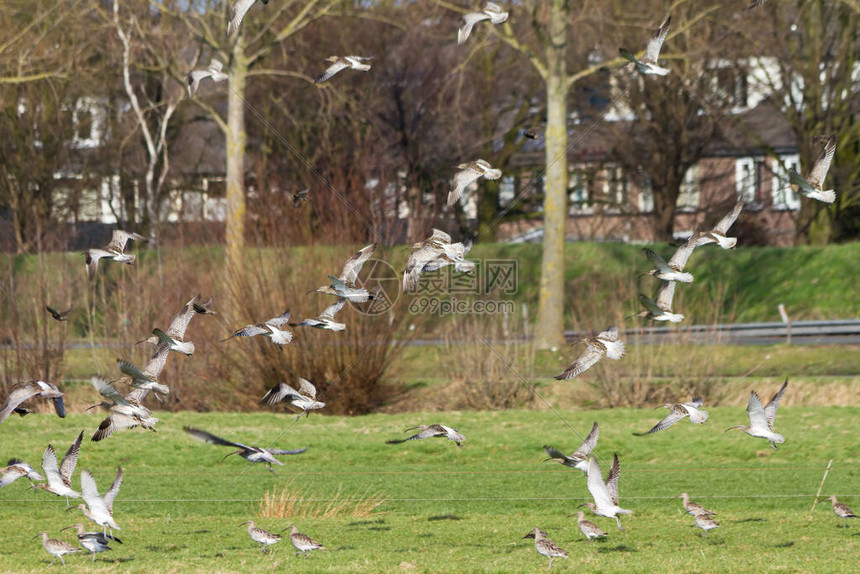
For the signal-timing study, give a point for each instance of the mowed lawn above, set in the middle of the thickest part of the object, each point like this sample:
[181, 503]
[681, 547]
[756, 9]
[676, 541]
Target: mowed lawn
[447, 509]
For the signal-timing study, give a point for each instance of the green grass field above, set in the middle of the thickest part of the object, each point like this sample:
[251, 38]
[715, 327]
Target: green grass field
[447, 509]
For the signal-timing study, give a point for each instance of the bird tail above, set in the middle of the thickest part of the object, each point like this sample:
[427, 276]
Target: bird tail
[828, 196]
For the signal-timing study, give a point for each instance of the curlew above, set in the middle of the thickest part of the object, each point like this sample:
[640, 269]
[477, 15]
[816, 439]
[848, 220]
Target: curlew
[99, 508]
[344, 284]
[60, 477]
[469, 173]
[761, 418]
[812, 186]
[545, 546]
[214, 71]
[692, 508]
[340, 63]
[16, 469]
[648, 64]
[718, 233]
[705, 522]
[660, 308]
[589, 529]
[303, 542]
[300, 197]
[325, 320]
[114, 250]
[26, 391]
[249, 453]
[57, 548]
[492, 12]
[237, 11]
[676, 413]
[433, 253]
[579, 459]
[605, 344]
[204, 308]
[95, 542]
[430, 431]
[841, 510]
[672, 270]
[262, 537]
[59, 315]
[605, 494]
[270, 328]
[303, 399]
[175, 334]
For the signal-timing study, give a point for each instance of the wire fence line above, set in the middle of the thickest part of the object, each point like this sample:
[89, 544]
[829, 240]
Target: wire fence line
[416, 499]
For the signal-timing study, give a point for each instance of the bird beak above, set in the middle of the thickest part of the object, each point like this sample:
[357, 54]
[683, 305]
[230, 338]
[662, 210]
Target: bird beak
[731, 428]
[581, 505]
[66, 528]
[244, 523]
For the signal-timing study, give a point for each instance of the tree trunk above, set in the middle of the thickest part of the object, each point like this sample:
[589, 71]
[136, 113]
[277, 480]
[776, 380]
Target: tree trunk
[236, 139]
[550, 318]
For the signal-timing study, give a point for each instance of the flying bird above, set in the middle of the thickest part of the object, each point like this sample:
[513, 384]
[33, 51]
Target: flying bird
[270, 328]
[678, 412]
[114, 250]
[303, 399]
[99, 508]
[579, 459]
[148, 377]
[433, 253]
[26, 391]
[430, 431]
[124, 412]
[812, 186]
[718, 233]
[204, 308]
[672, 270]
[660, 309]
[60, 477]
[237, 12]
[300, 197]
[213, 71]
[59, 315]
[761, 418]
[249, 453]
[492, 12]
[605, 344]
[648, 63]
[325, 320]
[16, 469]
[342, 63]
[344, 284]
[470, 173]
[605, 494]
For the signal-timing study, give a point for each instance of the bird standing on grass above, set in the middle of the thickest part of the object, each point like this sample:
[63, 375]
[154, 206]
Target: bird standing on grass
[545, 546]
[95, 542]
[263, 537]
[589, 529]
[303, 542]
[693, 508]
[57, 548]
[842, 510]
[706, 523]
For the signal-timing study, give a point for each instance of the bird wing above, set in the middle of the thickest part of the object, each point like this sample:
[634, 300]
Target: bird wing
[49, 466]
[115, 422]
[726, 222]
[612, 479]
[430, 432]
[332, 310]
[588, 444]
[440, 236]
[110, 495]
[194, 77]
[215, 65]
[556, 454]
[278, 393]
[249, 331]
[770, 409]
[610, 334]
[822, 164]
[589, 357]
[462, 179]
[416, 263]
[649, 304]
[656, 260]
[307, 388]
[70, 460]
[677, 413]
[795, 178]
[352, 267]
[665, 294]
[470, 20]
[682, 254]
[153, 367]
[331, 71]
[237, 12]
[280, 320]
[107, 390]
[280, 451]
[697, 402]
[120, 239]
[755, 411]
[652, 52]
[212, 439]
[18, 395]
[131, 370]
[59, 406]
[90, 494]
[596, 486]
[180, 321]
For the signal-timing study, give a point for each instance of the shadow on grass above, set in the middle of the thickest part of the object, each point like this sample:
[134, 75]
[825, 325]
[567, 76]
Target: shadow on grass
[367, 522]
[444, 517]
[619, 548]
[749, 520]
[788, 544]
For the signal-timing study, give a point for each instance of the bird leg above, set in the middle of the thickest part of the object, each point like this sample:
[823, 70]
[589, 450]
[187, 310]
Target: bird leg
[618, 522]
[550, 563]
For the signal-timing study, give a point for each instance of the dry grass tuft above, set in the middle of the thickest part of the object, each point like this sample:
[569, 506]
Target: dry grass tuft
[293, 501]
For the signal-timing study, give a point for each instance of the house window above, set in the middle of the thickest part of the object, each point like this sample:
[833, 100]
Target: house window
[748, 181]
[782, 195]
[578, 195]
[646, 194]
[616, 188]
[690, 193]
[507, 190]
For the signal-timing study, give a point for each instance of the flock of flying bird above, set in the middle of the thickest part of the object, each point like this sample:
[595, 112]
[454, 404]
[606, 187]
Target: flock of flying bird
[431, 254]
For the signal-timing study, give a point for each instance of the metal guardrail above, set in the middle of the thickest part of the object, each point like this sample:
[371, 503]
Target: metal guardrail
[836, 331]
